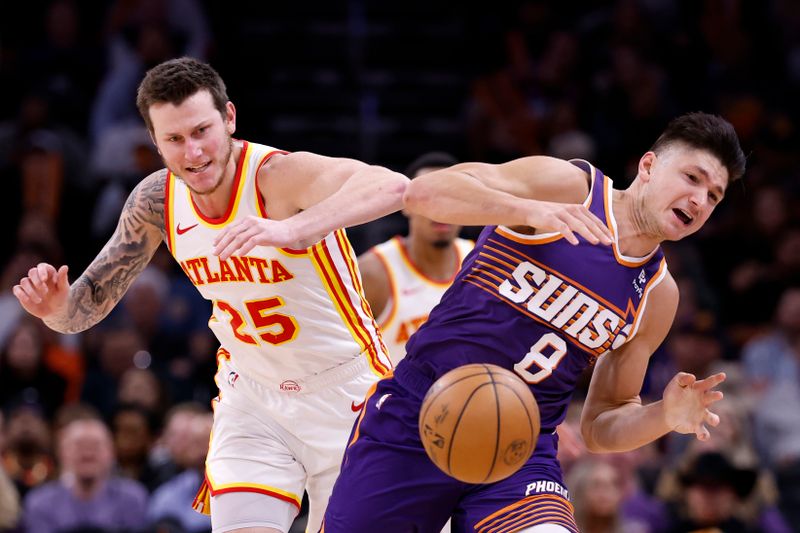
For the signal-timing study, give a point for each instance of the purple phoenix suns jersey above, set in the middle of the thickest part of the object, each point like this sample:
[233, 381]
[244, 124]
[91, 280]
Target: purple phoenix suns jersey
[540, 306]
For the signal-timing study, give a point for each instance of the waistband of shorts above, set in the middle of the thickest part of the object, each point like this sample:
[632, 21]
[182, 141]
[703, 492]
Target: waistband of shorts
[416, 381]
[332, 376]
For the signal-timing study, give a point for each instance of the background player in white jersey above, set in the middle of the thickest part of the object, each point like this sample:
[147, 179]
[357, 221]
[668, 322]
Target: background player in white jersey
[257, 231]
[405, 277]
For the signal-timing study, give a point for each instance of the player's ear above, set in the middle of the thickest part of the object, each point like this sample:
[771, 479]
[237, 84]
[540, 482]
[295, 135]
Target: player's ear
[230, 118]
[646, 165]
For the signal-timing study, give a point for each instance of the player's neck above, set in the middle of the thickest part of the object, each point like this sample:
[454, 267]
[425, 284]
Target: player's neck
[637, 235]
[215, 204]
[438, 263]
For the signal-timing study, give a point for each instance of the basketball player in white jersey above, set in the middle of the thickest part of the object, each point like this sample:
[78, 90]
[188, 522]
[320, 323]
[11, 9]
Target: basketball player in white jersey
[257, 231]
[405, 277]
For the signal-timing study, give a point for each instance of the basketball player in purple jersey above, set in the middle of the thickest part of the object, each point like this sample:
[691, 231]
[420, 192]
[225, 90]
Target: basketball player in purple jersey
[569, 273]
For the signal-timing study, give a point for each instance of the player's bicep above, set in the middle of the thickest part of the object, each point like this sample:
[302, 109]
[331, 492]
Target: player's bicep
[293, 182]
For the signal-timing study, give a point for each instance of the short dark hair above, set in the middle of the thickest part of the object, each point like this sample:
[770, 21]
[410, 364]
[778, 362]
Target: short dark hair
[430, 159]
[176, 80]
[706, 132]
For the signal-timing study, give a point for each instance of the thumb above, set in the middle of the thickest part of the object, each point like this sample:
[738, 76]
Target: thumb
[685, 379]
[62, 282]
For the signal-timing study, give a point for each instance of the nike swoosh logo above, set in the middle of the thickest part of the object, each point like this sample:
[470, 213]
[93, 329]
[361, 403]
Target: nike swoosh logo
[356, 407]
[181, 230]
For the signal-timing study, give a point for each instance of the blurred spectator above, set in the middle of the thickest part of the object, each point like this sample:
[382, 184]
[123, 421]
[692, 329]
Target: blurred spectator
[775, 356]
[86, 495]
[119, 347]
[171, 454]
[596, 493]
[141, 387]
[772, 365]
[171, 504]
[9, 497]
[27, 456]
[134, 431]
[24, 377]
[638, 471]
[712, 492]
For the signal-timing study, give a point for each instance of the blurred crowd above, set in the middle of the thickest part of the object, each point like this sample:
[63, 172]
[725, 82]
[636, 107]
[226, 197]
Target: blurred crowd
[109, 428]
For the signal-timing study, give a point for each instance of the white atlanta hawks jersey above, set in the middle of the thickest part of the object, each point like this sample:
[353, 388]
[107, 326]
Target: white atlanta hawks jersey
[279, 314]
[413, 294]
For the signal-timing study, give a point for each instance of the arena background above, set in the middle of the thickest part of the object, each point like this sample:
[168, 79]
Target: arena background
[384, 82]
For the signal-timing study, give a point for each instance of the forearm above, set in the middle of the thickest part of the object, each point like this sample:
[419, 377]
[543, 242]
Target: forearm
[369, 194]
[624, 428]
[456, 197]
[84, 308]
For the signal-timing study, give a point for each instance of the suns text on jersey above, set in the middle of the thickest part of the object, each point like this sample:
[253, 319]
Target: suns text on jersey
[566, 307]
[202, 270]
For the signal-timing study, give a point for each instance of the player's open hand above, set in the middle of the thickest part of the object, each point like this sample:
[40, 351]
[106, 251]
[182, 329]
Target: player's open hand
[569, 219]
[243, 236]
[44, 291]
[686, 403]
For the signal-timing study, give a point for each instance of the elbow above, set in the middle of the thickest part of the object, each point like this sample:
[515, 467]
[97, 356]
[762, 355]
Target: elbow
[589, 437]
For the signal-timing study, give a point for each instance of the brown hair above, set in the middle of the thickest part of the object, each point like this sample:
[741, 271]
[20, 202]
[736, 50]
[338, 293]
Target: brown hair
[176, 80]
[706, 132]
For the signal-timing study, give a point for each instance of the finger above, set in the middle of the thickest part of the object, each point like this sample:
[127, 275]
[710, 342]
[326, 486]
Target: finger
[45, 272]
[595, 225]
[711, 381]
[577, 224]
[229, 236]
[702, 433]
[685, 379]
[564, 229]
[234, 244]
[35, 279]
[21, 295]
[712, 396]
[62, 279]
[30, 290]
[247, 246]
[711, 419]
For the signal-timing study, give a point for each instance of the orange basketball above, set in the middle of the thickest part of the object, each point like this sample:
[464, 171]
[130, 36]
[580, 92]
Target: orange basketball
[479, 423]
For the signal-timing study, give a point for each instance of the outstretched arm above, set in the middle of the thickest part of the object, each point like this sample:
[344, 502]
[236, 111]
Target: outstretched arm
[45, 292]
[614, 419]
[537, 192]
[307, 196]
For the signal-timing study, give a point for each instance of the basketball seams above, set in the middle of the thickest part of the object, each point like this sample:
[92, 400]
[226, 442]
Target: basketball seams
[432, 400]
[525, 407]
[499, 426]
[458, 421]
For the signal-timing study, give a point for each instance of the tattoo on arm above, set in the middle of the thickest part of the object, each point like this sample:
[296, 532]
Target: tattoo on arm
[139, 232]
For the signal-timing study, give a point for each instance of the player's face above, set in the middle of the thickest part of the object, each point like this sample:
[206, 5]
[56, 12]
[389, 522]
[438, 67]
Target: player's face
[437, 234]
[684, 185]
[194, 140]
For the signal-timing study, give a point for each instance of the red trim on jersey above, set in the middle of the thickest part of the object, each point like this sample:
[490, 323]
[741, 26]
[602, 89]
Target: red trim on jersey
[355, 276]
[234, 192]
[355, 324]
[260, 199]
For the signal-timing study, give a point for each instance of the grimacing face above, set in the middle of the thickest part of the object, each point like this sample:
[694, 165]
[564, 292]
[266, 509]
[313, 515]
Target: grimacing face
[683, 185]
[195, 141]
